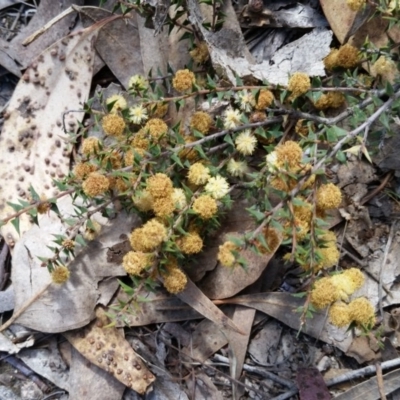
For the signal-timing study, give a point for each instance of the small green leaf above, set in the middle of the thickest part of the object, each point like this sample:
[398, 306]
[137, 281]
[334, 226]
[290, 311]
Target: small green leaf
[15, 224]
[126, 288]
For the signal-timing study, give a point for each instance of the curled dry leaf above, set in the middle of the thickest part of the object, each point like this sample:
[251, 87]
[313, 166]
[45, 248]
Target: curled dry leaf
[48, 307]
[224, 282]
[106, 348]
[34, 146]
[283, 306]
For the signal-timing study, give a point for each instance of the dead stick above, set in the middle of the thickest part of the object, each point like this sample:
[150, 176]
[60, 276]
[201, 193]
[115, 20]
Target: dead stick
[17, 314]
[379, 378]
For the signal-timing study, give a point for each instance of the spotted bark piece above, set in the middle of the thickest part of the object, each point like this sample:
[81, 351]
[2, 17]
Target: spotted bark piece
[107, 348]
[34, 143]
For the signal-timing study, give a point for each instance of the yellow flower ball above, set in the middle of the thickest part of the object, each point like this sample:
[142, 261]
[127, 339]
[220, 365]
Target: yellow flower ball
[329, 197]
[201, 121]
[339, 314]
[60, 274]
[148, 237]
[135, 262]
[198, 174]
[183, 80]
[299, 83]
[324, 293]
[175, 279]
[95, 184]
[362, 312]
[225, 255]
[205, 206]
[113, 125]
[192, 243]
[265, 99]
[159, 186]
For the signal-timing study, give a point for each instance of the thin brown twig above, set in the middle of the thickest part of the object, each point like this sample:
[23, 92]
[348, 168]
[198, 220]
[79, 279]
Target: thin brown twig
[379, 379]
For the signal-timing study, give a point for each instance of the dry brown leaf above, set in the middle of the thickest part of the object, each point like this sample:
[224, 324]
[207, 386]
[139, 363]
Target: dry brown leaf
[46, 11]
[244, 318]
[207, 339]
[158, 308]
[339, 16]
[283, 306]
[68, 306]
[196, 299]
[33, 144]
[118, 44]
[89, 382]
[237, 220]
[223, 282]
[107, 349]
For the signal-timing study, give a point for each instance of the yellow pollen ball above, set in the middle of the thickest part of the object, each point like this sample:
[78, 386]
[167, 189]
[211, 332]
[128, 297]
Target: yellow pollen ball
[205, 206]
[362, 312]
[265, 99]
[149, 236]
[113, 125]
[175, 279]
[329, 197]
[201, 121]
[192, 243]
[299, 83]
[95, 184]
[339, 314]
[183, 80]
[60, 274]
[90, 145]
[225, 255]
[324, 293]
[159, 186]
[134, 262]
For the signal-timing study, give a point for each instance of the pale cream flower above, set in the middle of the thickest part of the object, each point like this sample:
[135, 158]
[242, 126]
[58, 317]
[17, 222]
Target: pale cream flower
[232, 118]
[217, 187]
[198, 174]
[246, 143]
[246, 100]
[119, 103]
[272, 161]
[137, 82]
[236, 168]
[179, 198]
[138, 114]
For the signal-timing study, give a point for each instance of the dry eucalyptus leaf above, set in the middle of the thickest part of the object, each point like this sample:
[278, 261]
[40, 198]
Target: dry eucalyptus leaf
[224, 282]
[244, 318]
[107, 349]
[71, 305]
[158, 308]
[118, 44]
[339, 16]
[207, 339]
[196, 299]
[283, 306]
[89, 382]
[46, 11]
[33, 144]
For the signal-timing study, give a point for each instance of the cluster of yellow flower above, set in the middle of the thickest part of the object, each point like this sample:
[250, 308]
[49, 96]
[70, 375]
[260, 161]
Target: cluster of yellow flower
[335, 291]
[347, 56]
